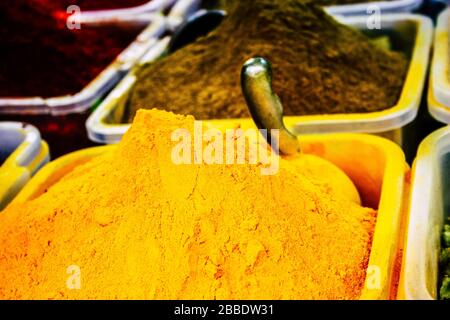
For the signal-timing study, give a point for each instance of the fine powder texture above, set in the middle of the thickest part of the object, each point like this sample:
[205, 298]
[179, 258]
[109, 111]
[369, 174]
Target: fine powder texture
[40, 56]
[319, 65]
[138, 226]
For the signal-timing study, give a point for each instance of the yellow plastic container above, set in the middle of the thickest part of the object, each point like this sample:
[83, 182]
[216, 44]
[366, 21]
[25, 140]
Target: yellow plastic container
[376, 166]
[427, 209]
[439, 88]
[367, 7]
[438, 110]
[24, 153]
[55, 170]
[412, 34]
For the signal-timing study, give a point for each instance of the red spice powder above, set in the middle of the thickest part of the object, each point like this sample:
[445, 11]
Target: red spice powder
[40, 56]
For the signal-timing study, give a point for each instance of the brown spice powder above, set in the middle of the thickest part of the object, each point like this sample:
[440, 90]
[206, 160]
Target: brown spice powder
[320, 66]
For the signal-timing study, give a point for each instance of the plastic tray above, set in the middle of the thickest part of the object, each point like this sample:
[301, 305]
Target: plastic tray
[427, 203]
[377, 167]
[101, 84]
[22, 153]
[439, 88]
[368, 7]
[150, 6]
[177, 9]
[413, 32]
[103, 125]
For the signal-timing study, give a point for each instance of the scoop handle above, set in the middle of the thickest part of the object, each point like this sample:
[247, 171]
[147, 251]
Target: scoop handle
[264, 105]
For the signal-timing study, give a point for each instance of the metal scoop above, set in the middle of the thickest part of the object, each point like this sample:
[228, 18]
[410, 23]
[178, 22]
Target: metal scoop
[264, 105]
[267, 113]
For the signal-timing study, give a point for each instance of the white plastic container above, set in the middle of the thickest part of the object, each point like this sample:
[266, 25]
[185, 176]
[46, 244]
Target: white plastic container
[413, 31]
[427, 207]
[439, 88]
[177, 12]
[394, 6]
[107, 14]
[22, 154]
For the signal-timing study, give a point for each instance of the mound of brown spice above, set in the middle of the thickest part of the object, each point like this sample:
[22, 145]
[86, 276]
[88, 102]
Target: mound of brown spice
[320, 66]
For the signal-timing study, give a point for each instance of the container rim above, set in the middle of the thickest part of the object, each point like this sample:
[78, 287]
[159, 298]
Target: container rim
[369, 7]
[439, 90]
[29, 146]
[413, 282]
[106, 14]
[46, 174]
[438, 111]
[26, 159]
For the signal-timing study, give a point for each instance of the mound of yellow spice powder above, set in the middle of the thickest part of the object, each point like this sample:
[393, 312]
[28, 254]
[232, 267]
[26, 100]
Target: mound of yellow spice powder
[138, 226]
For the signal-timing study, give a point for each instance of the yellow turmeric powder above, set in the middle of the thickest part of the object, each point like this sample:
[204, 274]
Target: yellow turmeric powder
[132, 224]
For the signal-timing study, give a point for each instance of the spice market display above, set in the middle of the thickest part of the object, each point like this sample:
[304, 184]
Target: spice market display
[275, 151]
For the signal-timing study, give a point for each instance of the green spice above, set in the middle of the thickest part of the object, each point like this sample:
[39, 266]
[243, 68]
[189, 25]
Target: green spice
[444, 291]
[320, 66]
